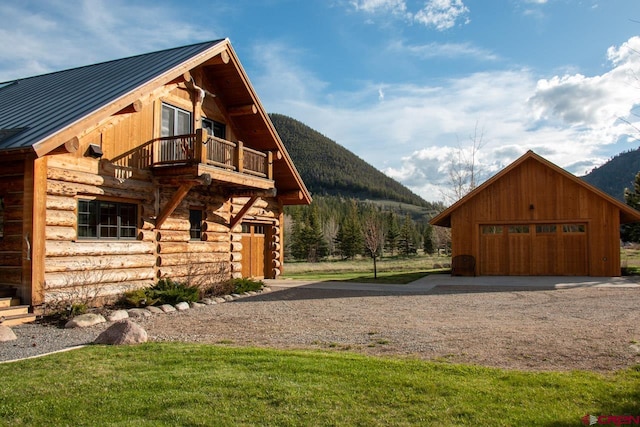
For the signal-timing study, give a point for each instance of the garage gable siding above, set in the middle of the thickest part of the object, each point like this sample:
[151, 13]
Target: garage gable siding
[552, 224]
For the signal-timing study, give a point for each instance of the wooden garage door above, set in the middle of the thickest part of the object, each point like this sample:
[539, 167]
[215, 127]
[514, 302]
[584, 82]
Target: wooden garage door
[253, 250]
[533, 249]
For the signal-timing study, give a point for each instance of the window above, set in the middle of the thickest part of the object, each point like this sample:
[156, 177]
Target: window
[518, 229]
[214, 128]
[574, 228]
[545, 228]
[99, 219]
[195, 224]
[491, 229]
[175, 121]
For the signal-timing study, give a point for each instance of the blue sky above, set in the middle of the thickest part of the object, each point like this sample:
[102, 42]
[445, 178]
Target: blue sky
[403, 84]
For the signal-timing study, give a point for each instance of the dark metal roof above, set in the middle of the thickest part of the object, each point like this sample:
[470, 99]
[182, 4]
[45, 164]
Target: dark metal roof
[34, 108]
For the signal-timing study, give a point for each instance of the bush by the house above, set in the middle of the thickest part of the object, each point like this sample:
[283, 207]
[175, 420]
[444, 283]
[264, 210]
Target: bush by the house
[246, 285]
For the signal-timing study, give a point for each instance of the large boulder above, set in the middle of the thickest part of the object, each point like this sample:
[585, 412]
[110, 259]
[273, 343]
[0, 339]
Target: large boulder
[85, 320]
[7, 334]
[122, 333]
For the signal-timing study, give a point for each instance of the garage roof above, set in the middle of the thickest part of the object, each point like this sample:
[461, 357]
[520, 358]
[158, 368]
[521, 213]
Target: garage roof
[627, 213]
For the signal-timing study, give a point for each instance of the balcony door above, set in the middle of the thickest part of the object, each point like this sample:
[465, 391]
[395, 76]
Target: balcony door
[175, 121]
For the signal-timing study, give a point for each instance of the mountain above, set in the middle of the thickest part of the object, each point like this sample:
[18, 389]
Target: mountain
[329, 169]
[616, 174]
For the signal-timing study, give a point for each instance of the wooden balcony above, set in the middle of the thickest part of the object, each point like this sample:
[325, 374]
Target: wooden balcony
[224, 161]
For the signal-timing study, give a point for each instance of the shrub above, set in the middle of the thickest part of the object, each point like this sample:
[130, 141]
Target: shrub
[139, 298]
[245, 285]
[166, 291]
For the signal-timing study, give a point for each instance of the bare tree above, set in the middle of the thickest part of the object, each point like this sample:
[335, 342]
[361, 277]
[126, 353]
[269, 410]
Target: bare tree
[330, 232]
[463, 166]
[373, 239]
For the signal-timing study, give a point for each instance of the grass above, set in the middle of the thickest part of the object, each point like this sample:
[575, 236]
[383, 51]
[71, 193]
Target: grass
[193, 384]
[391, 270]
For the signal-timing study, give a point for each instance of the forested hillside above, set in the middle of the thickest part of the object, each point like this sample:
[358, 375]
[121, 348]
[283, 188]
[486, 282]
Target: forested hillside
[352, 199]
[617, 174]
[327, 168]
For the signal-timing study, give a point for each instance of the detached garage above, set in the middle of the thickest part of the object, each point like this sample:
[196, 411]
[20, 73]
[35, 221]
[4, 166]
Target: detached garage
[536, 219]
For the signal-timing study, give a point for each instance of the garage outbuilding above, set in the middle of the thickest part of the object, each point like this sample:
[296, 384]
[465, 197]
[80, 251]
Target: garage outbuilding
[536, 219]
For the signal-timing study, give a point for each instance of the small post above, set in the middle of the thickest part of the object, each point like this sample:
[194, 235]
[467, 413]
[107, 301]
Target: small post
[269, 165]
[240, 157]
[200, 153]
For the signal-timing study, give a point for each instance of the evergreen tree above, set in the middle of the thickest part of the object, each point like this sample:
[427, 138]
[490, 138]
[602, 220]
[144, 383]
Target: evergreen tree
[349, 239]
[307, 240]
[392, 233]
[427, 245]
[407, 239]
[631, 232]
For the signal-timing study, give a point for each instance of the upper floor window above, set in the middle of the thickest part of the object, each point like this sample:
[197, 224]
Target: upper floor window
[101, 219]
[175, 121]
[214, 128]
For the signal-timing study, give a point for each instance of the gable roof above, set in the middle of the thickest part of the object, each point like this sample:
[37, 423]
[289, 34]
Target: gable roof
[40, 113]
[34, 108]
[627, 213]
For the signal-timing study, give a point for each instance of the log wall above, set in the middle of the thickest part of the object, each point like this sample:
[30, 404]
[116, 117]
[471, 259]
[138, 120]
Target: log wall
[70, 267]
[11, 241]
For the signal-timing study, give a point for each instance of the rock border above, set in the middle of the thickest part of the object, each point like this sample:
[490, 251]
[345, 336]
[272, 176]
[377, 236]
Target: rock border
[142, 312]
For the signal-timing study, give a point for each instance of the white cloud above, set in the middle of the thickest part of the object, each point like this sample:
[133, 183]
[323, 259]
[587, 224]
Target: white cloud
[371, 6]
[443, 50]
[438, 14]
[594, 103]
[112, 28]
[442, 14]
[567, 119]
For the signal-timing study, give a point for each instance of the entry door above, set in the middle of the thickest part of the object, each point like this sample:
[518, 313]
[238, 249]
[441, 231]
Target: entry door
[253, 250]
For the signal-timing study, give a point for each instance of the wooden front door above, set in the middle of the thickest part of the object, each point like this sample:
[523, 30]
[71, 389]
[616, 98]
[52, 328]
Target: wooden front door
[253, 250]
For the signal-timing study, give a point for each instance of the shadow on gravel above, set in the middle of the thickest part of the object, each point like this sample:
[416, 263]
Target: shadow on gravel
[310, 293]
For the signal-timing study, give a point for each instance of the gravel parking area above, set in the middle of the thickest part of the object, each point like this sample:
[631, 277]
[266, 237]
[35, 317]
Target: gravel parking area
[515, 327]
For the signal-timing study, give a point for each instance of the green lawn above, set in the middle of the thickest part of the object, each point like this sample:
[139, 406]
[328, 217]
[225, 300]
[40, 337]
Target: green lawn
[391, 270]
[193, 385]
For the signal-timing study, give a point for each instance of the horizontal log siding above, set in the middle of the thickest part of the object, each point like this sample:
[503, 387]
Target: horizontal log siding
[81, 268]
[196, 262]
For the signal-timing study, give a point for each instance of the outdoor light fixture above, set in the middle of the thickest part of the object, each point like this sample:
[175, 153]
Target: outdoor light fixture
[94, 151]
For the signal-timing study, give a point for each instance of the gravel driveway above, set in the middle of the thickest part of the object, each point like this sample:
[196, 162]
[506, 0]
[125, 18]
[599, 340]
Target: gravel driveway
[503, 322]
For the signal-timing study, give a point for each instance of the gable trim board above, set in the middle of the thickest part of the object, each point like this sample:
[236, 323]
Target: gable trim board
[535, 218]
[47, 168]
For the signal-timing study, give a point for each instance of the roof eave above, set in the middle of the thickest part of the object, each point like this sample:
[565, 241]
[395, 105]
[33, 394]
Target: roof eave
[56, 139]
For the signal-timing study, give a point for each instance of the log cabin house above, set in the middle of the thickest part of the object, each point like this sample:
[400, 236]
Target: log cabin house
[159, 165]
[536, 219]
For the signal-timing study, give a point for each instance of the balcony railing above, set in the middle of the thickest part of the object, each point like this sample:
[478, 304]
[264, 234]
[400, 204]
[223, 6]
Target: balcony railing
[213, 151]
